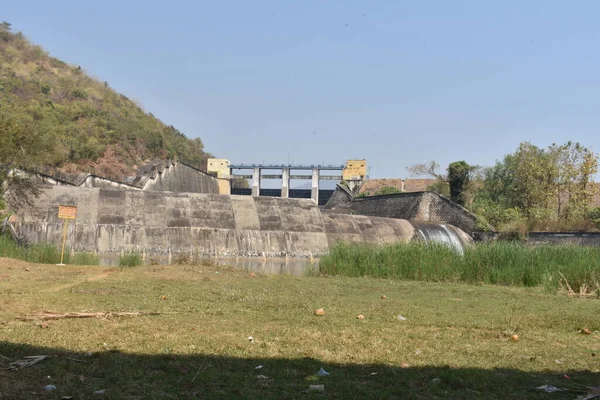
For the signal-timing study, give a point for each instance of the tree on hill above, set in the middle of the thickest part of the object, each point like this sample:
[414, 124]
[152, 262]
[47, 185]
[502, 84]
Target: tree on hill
[22, 144]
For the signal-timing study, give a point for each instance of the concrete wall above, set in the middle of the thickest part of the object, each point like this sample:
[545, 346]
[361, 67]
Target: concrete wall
[204, 224]
[93, 181]
[181, 178]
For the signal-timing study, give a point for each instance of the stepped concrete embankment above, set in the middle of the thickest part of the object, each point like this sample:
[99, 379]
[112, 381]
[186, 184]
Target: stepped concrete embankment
[201, 224]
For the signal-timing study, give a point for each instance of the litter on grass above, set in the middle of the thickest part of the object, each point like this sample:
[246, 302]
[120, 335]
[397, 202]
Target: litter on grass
[549, 388]
[316, 388]
[51, 315]
[26, 362]
[322, 372]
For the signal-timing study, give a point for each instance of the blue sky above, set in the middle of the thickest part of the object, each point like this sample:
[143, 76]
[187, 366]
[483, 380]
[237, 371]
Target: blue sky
[312, 81]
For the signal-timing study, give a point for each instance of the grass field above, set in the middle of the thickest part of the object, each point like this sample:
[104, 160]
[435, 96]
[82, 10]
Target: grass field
[454, 344]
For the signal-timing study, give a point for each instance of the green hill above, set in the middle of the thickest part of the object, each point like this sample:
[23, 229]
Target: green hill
[84, 125]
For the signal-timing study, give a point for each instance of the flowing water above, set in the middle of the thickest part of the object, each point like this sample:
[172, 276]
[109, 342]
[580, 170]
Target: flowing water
[435, 233]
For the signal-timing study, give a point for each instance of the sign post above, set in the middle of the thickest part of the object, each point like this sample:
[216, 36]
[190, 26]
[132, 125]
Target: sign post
[66, 213]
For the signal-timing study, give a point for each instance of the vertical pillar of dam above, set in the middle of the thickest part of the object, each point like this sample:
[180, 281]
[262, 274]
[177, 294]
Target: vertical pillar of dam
[256, 182]
[285, 183]
[314, 194]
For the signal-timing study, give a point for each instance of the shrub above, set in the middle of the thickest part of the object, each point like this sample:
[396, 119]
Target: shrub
[130, 260]
[594, 215]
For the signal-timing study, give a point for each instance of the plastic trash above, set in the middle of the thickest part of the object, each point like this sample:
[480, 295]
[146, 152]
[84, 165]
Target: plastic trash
[100, 392]
[262, 377]
[316, 388]
[250, 339]
[322, 372]
[258, 367]
[401, 318]
[49, 388]
[549, 388]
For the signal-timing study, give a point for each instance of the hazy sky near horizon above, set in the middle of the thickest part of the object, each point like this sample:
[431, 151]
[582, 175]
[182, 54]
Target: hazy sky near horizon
[312, 81]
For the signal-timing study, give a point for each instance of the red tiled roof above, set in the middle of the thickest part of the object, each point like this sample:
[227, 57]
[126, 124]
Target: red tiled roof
[418, 185]
[404, 185]
[373, 185]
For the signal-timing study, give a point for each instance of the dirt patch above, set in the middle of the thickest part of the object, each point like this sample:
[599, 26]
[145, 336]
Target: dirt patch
[69, 285]
[11, 263]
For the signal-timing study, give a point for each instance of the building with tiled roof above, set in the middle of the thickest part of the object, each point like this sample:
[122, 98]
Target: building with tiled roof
[403, 185]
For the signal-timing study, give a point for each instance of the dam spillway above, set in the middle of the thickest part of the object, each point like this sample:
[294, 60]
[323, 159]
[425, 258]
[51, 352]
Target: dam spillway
[112, 221]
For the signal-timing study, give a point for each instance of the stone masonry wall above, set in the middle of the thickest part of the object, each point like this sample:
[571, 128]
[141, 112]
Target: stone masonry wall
[422, 206]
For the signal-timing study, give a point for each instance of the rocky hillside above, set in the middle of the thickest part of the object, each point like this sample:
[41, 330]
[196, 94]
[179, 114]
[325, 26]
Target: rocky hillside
[87, 126]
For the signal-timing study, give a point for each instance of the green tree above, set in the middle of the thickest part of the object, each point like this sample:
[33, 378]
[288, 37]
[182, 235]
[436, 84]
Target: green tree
[542, 184]
[456, 184]
[535, 173]
[458, 180]
[22, 145]
[575, 168]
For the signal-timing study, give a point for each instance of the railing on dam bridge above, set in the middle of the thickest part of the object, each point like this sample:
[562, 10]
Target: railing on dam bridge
[324, 194]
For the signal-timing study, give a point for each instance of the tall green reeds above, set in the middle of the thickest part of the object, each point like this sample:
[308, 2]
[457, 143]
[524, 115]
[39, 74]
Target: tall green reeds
[43, 253]
[511, 264]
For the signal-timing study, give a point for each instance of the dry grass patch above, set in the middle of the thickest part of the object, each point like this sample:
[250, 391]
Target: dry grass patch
[451, 345]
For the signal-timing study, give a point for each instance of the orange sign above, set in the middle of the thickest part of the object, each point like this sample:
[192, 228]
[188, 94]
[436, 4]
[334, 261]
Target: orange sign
[67, 212]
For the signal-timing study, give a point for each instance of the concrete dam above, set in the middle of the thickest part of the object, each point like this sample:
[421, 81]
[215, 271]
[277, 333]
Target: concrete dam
[152, 222]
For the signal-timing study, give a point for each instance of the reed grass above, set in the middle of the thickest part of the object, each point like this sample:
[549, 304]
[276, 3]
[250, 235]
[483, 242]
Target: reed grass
[508, 264]
[43, 253]
[130, 260]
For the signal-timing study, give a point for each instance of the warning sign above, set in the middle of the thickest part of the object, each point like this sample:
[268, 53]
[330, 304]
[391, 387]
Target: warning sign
[67, 212]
